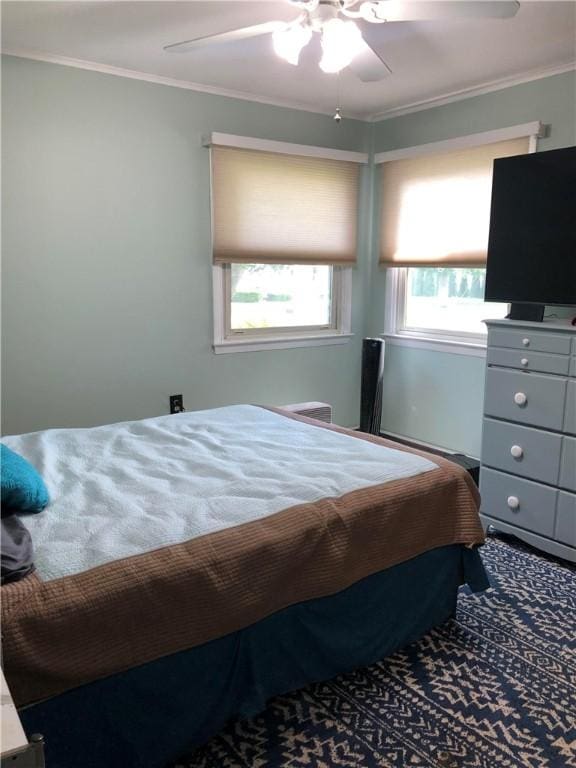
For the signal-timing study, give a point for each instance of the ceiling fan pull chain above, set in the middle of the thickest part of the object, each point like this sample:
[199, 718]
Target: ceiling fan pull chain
[338, 114]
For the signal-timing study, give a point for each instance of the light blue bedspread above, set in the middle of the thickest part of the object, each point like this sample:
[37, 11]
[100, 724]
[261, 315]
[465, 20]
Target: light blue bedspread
[129, 488]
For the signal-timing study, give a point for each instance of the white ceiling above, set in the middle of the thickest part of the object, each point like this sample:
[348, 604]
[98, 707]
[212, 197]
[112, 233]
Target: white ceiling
[429, 60]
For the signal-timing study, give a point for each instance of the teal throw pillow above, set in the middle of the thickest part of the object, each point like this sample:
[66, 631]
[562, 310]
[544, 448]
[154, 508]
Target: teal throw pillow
[23, 490]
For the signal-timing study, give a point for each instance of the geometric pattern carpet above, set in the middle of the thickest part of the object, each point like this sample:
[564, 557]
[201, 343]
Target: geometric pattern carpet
[493, 688]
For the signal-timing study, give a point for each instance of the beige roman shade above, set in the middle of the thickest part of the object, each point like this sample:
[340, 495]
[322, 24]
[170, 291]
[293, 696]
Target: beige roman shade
[270, 208]
[435, 208]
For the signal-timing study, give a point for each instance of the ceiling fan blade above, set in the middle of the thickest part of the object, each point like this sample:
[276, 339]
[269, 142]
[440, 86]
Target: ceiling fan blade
[430, 10]
[369, 66]
[225, 37]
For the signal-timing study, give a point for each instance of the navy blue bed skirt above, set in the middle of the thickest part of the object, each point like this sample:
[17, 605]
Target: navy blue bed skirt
[149, 715]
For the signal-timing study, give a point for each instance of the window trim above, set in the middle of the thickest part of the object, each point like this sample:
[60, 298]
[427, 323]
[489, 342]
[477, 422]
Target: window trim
[283, 147]
[533, 131]
[397, 277]
[339, 332]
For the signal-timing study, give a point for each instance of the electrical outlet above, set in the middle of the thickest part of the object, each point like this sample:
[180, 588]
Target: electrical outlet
[176, 403]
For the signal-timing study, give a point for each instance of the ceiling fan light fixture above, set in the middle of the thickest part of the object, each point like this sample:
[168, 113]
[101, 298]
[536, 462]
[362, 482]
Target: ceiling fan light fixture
[288, 42]
[341, 41]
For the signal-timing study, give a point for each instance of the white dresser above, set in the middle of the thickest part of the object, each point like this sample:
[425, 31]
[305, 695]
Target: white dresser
[528, 472]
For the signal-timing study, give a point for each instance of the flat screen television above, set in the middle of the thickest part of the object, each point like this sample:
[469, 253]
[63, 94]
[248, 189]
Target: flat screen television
[532, 240]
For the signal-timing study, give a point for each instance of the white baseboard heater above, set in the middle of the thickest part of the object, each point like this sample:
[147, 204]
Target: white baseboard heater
[314, 410]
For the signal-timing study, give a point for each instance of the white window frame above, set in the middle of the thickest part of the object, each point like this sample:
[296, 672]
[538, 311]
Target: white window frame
[339, 331]
[397, 277]
[424, 338]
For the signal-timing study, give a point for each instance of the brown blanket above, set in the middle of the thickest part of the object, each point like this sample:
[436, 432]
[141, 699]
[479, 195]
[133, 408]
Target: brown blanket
[69, 631]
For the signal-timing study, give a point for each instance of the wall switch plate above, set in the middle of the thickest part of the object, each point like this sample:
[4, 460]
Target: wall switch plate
[176, 403]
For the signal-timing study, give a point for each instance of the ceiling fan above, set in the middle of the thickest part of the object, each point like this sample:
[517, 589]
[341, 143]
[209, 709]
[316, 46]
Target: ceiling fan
[339, 23]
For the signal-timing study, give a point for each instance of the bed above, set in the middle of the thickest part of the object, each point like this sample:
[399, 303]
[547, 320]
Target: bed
[190, 567]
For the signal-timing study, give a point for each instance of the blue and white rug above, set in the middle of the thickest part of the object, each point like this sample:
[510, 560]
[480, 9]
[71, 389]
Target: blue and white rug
[494, 688]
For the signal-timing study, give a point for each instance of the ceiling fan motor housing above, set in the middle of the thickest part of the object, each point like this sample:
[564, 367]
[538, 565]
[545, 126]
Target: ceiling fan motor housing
[318, 12]
[323, 9]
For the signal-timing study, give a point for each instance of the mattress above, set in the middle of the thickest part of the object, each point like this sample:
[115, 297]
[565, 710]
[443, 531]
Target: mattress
[125, 489]
[371, 506]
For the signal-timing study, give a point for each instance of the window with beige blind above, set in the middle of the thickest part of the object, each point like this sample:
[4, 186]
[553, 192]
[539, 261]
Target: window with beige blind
[284, 231]
[434, 225]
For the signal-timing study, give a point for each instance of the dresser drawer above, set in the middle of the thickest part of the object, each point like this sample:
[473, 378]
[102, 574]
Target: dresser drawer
[528, 360]
[518, 502]
[521, 450]
[536, 341]
[568, 464]
[529, 398]
[570, 420]
[573, 366]
[566, 519]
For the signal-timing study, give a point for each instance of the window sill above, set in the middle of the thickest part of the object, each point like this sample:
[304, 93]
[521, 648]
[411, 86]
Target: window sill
[258, 345]
[449, 346]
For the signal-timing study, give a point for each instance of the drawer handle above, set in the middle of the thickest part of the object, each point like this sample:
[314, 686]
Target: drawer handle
[526, 342]
[517, 451]
[524, 361]
[520, 398]
[513, 502]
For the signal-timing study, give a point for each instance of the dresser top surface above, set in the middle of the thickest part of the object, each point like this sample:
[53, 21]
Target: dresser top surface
[556, 325]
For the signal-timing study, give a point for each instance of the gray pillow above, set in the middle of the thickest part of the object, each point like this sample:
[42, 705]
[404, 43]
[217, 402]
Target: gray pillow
[17, 552]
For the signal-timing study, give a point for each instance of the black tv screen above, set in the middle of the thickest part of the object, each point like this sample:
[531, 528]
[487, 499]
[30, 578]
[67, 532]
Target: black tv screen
[532, 241]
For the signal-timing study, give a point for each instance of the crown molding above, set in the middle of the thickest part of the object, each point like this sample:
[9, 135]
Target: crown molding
[387, 114]
[468, 93]
[107, 69]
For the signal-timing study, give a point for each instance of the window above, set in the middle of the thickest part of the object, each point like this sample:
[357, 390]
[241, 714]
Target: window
[263, 306]
[444, 301]
[284, 242]
[280, 297]
[435, 214]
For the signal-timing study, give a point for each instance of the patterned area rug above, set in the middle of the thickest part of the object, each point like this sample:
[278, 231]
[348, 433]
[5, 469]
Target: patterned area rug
[494, 688]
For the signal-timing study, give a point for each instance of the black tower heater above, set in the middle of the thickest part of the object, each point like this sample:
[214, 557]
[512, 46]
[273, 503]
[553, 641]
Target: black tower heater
[371, 394]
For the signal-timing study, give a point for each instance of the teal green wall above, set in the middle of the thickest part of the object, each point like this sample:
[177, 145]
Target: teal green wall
[106, 296]
[551, 100]
[435, 396]
[107, 302]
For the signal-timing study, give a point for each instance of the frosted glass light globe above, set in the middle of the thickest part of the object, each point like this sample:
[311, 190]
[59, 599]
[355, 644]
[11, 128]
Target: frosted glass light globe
[341, 42]
[288, 42]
